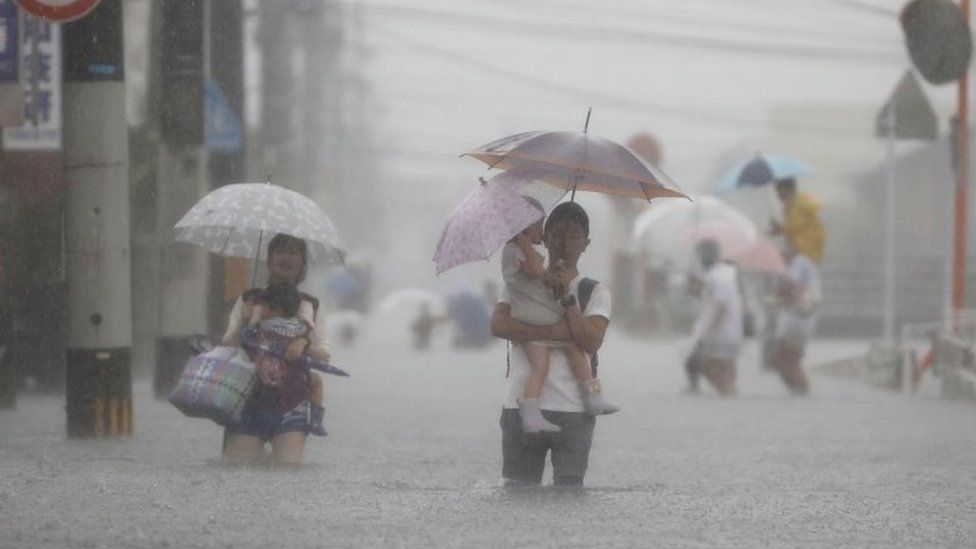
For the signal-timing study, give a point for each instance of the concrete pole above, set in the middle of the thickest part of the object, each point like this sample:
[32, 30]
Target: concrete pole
[277, 93]
[226, 69]
[890, 236]
[183, 181]
[96, 158]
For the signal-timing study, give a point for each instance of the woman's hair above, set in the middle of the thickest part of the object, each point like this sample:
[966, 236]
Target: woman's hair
[281, 241]
[282, 297]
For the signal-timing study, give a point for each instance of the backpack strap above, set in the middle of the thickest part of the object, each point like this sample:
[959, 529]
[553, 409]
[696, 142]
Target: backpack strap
[585, 291]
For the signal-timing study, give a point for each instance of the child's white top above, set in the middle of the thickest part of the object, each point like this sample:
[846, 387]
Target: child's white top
[560, 393]
[531, 301]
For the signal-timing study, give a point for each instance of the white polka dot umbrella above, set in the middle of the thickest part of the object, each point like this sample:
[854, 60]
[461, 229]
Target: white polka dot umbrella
[238, 221]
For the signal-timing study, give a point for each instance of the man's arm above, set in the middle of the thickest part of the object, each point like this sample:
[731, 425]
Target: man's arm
[586, 331]
[505, 327]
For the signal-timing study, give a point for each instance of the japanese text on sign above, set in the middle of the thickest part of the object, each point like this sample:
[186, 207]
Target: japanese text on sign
[41, 76]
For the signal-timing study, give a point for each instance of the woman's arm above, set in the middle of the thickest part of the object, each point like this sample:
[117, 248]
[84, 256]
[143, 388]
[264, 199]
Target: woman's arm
[236, 322]
[505, 327]
[313, 341]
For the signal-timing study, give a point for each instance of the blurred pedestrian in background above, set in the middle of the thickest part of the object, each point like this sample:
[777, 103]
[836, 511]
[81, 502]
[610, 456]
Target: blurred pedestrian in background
[717, 334]
[799, 296]
[801, 226]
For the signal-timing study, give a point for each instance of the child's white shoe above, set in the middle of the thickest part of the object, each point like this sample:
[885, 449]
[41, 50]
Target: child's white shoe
[532, 419]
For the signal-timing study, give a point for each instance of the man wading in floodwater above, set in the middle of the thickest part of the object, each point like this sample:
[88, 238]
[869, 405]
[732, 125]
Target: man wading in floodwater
[566, 237]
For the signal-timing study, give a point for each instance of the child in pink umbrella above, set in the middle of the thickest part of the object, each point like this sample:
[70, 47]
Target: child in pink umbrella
[532, 302]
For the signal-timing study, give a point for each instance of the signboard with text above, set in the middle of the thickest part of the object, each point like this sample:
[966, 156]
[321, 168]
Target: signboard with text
[40, 61]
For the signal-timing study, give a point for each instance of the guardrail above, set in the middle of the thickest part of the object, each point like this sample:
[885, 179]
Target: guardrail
[947, 349]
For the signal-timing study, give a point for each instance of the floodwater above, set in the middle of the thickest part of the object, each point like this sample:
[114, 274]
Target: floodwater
[413, 460]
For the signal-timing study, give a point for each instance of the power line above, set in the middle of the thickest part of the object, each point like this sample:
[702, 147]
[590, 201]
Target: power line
[570, 31]
[660, 16]
[589, 95]
[867, 7]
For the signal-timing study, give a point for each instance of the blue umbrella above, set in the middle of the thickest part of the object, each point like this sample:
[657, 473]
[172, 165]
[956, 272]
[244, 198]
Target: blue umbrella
[762, 170]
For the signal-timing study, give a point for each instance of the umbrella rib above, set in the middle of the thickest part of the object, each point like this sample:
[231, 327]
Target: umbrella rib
[226, 240]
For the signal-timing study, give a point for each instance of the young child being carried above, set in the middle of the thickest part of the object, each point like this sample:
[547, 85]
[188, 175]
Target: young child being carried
[282, 341]
[532, 302]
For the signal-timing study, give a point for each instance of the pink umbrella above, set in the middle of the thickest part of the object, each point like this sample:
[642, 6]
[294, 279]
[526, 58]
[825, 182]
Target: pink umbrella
[752, 253]
[485, 220]
[731, 239]
[763, 256]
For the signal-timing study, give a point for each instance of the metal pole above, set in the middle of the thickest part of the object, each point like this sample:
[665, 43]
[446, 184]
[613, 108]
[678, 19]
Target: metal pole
[96, 160]
[890, 197]
[962, 189]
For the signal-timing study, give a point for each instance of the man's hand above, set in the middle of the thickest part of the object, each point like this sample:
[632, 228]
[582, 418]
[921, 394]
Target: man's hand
[559, 278]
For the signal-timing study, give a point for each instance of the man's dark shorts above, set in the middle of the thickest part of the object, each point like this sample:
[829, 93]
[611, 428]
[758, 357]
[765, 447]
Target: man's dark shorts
[524, 456]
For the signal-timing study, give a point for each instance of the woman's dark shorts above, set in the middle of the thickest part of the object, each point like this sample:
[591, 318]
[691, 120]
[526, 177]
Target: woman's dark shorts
[524, 456]
[266, 426]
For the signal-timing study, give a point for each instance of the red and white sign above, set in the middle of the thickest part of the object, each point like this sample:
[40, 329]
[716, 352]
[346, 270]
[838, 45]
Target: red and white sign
[58, 10]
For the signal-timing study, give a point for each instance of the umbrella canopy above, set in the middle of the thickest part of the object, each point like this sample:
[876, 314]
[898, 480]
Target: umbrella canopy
[238, 221]
[763, 169]
[666, 231]
[731, 239]
[578, 161]
[486, 219]
[763, 256]
[752, 253]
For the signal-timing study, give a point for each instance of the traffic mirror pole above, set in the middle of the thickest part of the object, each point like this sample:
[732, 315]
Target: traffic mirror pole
[962, 192]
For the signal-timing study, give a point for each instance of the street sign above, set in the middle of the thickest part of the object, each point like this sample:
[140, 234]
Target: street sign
[222, 126]
[914, 116]
[40, 51]
[938, 38]
[58, 11]
[11, 93]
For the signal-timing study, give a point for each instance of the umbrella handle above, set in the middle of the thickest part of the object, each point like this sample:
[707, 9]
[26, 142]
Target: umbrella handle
[257, 256]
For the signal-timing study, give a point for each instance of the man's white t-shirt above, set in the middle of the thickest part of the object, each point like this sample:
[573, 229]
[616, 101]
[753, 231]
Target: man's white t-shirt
[721, 286]
[561, 392]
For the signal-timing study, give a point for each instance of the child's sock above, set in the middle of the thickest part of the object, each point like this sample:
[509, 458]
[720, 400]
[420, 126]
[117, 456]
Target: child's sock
[532, 419]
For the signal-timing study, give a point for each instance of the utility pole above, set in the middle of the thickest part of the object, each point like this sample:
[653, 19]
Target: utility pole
[228, 276]
[277, 92]
[182, 180]
[96, 157]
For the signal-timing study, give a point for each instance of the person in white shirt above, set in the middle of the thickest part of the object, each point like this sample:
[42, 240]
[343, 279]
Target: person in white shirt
[561, 399]
[799, 297]
[531, 301]
[717, 334]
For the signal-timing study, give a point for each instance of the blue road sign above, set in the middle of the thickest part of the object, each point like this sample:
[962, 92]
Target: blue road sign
[222, 126]
[9, 43]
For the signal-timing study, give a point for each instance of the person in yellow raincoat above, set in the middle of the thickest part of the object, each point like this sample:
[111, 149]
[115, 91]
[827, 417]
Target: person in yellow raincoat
[801, 220]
